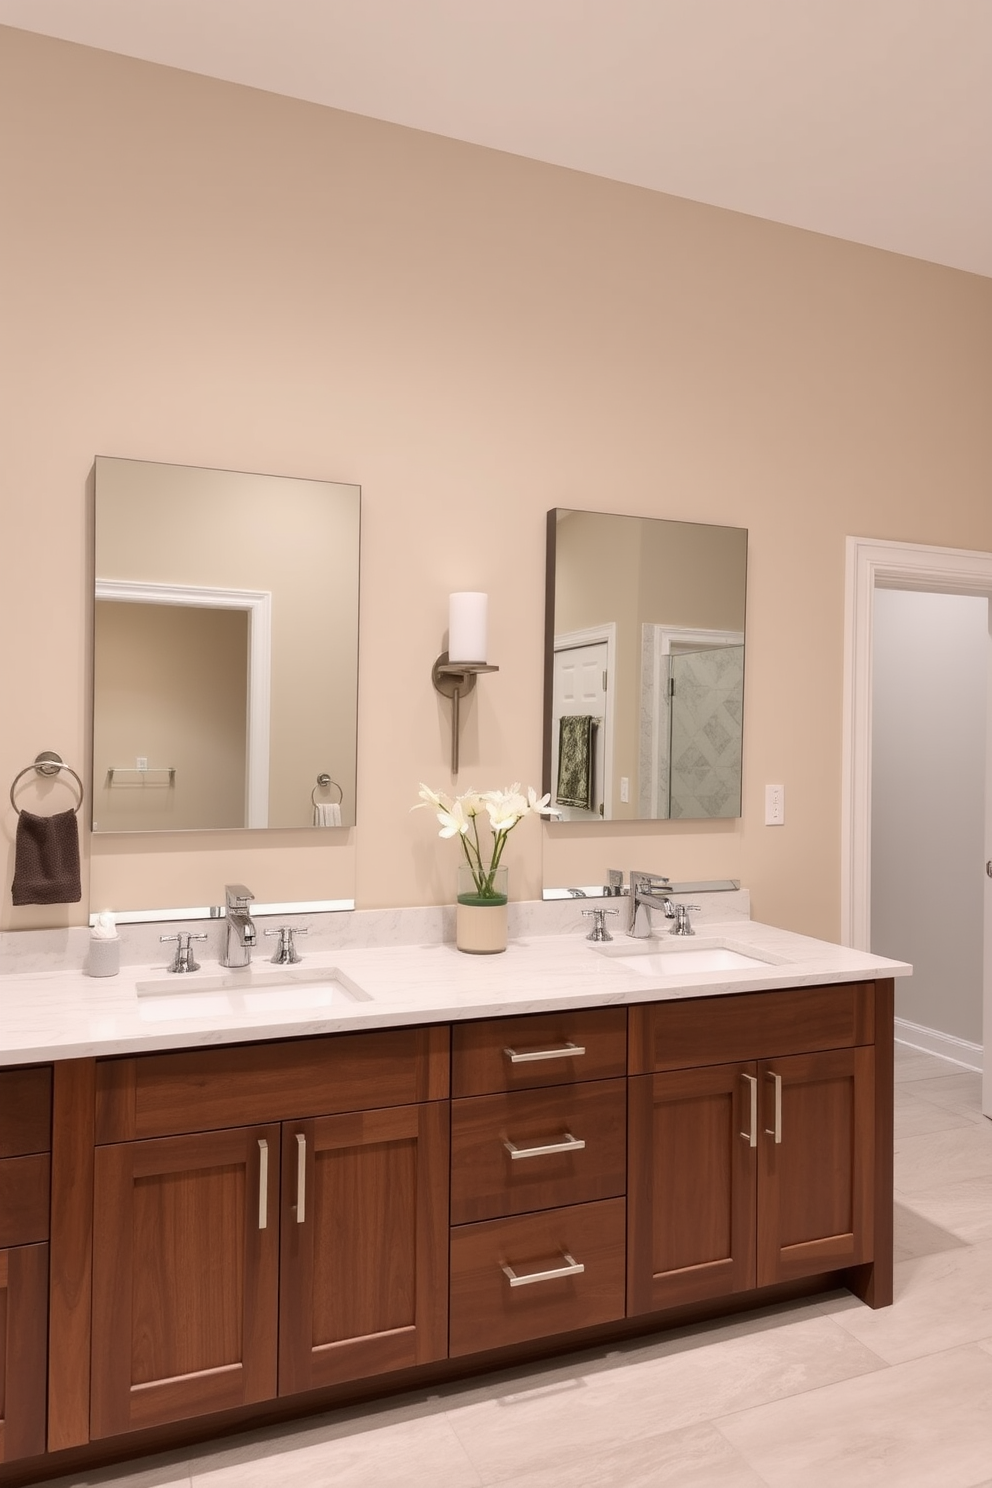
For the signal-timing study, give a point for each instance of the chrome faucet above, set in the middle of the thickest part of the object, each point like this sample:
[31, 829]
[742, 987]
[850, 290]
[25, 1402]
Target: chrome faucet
[239, 934]
[648, 891]
[682, 924]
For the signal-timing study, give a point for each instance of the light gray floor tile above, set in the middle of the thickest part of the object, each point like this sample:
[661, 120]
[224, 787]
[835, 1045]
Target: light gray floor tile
[914, 1116]
[916, 1235]
[683, 1384]
[961, 1092]
[963, 1208]
[406, 1447]
[917, 1064]
[696, 1457]
[925, 1424]
[929, 1161]
[940, 1301]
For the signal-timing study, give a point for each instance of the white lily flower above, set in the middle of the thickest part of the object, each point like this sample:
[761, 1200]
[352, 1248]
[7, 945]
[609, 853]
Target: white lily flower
[429, 798]
[541, 805]
[471, 803]
[454, 822]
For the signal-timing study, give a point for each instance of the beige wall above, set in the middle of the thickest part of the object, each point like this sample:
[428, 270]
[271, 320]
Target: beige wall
[209, 275]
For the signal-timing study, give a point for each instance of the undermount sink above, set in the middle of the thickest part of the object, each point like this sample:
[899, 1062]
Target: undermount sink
[276, 989]
[682, 959]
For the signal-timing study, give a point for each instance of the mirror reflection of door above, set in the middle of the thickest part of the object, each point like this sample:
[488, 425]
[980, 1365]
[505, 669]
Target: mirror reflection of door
[581, 690]
[170, 738]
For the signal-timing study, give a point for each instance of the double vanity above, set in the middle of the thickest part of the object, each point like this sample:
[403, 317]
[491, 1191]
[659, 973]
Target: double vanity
[241, 1195]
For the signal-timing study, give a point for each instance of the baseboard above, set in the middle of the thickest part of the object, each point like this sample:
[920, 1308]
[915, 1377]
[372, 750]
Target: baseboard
[944, 1045]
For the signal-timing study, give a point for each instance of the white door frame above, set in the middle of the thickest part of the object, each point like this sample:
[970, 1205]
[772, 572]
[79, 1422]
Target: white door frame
[258, 604]
[596, 635]
[873, 563]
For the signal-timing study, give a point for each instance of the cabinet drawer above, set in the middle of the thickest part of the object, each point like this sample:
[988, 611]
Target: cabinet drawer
[24, 1195]
[514, 1279]
[541, 1049]
[500, 1158]
[208, 1089]
[753, 1025]
[25, 1111]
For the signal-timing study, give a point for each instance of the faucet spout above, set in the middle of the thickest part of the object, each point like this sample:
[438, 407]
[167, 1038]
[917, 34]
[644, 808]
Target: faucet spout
[648, 891]
[239, 934]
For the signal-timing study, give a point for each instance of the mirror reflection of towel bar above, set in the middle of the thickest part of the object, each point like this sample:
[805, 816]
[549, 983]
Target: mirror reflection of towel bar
[142, 773]
[323, 782]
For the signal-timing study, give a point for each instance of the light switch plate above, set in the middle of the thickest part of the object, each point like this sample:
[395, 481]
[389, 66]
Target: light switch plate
[774, 805]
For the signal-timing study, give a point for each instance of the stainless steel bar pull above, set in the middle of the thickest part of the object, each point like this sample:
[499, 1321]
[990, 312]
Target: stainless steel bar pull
[572, 1267]
[301, 1178]
[567, 1051]
[568, 1143]
[751, 1135]
[776, 1130]
[263, 1183]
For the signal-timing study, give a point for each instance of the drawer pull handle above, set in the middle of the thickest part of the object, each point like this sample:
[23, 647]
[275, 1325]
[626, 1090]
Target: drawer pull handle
[572, 1267]
[751, 1136]
[568, 1143]
[568, 1051]
[776, 1130]
[301, 1178]
[263, 1183]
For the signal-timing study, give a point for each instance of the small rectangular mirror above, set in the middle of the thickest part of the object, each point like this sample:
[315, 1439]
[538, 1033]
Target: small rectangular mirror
[225, 649]
[644, 667]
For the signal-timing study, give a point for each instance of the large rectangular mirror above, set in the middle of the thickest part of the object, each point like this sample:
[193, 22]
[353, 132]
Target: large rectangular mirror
[644, 667]
[225, 668]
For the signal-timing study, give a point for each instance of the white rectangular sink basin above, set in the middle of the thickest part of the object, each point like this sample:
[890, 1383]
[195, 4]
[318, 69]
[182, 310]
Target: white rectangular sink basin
[276, 989]
[682, 959]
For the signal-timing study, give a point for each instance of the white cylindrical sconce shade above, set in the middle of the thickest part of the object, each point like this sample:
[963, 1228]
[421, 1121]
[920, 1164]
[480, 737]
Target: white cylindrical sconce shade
[468, 617]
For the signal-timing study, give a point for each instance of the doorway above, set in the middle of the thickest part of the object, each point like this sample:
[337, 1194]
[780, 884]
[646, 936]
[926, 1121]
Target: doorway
[582, 685]
[873, 566]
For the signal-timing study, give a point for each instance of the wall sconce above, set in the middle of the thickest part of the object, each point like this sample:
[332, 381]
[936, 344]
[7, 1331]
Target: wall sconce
[456, 669]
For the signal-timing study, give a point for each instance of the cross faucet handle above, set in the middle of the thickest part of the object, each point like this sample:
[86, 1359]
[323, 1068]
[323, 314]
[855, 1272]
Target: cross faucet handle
[286, 953]
[183, 959]
[599, 930]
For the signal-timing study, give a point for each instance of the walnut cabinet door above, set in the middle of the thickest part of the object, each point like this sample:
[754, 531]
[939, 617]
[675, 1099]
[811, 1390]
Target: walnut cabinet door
[691, 1186]
[364, 1265]
[185, 1276]
[815, 1163]
[23, 1350]
[744, 1175]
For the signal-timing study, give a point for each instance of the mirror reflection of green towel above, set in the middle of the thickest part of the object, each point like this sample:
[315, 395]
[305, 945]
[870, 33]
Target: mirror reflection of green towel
[575, 732]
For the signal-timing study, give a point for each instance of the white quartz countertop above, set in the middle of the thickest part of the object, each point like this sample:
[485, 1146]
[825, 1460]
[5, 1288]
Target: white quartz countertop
[68, 1015]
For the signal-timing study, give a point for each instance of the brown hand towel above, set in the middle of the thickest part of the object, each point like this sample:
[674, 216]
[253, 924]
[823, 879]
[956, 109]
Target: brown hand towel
[46, 860]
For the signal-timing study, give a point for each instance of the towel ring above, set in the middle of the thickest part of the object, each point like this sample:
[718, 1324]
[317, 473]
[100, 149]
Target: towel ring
[323, 781]
[46, 763]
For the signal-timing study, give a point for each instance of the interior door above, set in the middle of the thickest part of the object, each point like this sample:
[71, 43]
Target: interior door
[581, 686]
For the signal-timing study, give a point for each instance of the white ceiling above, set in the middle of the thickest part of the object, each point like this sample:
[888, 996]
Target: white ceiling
[866, 119]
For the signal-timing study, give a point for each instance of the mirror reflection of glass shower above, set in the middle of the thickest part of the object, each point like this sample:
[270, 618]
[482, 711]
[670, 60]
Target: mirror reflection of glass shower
[692, 716]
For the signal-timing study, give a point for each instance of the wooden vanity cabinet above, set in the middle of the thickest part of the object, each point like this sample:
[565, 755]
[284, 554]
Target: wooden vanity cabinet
[25, 1179]
[754, 1172]
[538, 1176]
[236, 1264]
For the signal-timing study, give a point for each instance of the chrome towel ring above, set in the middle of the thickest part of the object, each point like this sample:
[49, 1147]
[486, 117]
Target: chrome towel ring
[323, 781]
[46, 763]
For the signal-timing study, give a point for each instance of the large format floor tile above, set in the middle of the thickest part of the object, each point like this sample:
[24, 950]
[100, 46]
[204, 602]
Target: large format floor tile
[411, 1446]
[695, 1457]
[915, 1235]
[925, 1424]
[915, 1116]
[963, 1208]
[940, 1301]
[943, 1157]
[663, 1388]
